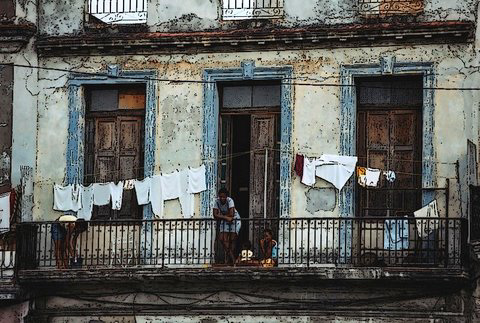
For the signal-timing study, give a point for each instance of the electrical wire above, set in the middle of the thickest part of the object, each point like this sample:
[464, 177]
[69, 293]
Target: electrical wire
[214, 82]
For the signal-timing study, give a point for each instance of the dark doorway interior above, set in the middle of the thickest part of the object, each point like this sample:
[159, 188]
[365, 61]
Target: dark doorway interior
[241, 127]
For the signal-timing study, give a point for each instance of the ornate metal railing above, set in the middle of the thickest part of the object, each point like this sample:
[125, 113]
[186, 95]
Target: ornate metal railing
[251, 9]
[376, 241]
[118, 11]
[390, 7]
[7, 256]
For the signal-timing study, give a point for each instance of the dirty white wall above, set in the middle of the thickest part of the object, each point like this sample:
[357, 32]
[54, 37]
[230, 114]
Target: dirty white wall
[61, 17]
[316, 125]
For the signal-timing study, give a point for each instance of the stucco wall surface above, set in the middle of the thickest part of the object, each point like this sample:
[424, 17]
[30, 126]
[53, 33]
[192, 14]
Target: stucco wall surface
[61, 17]
[316, 110]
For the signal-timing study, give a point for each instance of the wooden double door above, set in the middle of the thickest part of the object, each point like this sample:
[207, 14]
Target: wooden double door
[114, 152]
[390, 139]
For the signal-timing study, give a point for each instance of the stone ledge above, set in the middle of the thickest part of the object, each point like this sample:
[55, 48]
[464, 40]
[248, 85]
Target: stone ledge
[257, 39]
[244, 274]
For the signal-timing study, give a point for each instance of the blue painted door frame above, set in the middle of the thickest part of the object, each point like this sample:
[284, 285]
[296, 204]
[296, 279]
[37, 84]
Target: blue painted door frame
[211, 123]
[348, 134]
[76, 126]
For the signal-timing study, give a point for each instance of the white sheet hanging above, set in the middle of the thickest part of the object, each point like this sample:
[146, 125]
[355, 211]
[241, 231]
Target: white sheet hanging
[335, 169]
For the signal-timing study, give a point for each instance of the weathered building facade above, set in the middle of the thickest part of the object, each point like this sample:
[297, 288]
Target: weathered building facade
[100, 91]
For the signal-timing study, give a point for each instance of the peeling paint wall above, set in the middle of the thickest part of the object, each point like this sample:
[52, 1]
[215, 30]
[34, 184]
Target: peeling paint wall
[61, 17]
[316, 116]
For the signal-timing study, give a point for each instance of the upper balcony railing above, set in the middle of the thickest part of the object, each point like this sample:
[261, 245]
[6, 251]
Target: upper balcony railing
[305, 242]
[118, 11]
[383, 8]
[251, 9]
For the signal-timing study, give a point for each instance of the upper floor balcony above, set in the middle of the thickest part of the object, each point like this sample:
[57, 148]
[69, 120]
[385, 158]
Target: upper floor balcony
[60, 250]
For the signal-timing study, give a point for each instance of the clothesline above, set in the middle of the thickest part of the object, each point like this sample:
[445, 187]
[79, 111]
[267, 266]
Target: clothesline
[157, 169]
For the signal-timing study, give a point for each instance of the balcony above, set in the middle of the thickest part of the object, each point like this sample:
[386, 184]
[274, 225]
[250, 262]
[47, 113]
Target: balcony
[384, 8]
[251, 9]
[118, 11]
[318, 244]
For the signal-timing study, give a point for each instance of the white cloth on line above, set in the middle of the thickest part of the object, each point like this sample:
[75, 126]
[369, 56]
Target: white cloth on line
[309, 165]
[372, 176]
[5, 212]
[424, 226]
[170, 186]
[142, 190]
[186, 198]
[67, 198]
[155, 196]
[196, 180]
[87, 203]
[101, 194]
[116, 193]
[335, 169]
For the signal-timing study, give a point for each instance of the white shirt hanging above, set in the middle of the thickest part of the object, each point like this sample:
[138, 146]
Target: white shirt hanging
[196, 180]
[101, 194]
[142, 190]
[171, 186]
[87, 203]
[116, 192]
[67, 198]
[156, 197]
[186, 198]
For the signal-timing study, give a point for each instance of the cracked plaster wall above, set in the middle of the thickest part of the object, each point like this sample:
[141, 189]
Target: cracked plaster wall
[316, 110]
[62, 17]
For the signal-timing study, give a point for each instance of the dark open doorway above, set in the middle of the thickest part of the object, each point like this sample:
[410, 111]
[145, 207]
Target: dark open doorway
[249, 142]
[241, 127]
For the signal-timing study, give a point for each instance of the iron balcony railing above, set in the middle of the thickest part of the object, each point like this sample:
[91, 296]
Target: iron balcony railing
[390, 7]
[304, 242]
[119, 11]
[7, 257]
[251, 9]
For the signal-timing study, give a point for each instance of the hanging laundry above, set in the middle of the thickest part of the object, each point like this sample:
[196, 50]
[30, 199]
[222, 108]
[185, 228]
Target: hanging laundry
[362, 176]
[299, 159]
[335, 169]
[196, 179]
[129, 184]
[390, 176]
[186, 198]
[101, 193]
[372, 176]
[424, 226]
[142, 190]
[87, 203]
[67, 198]
[308, 177]
[156, 196]
[116, 193]
[170, 186]
[396, 234]
[5, 212]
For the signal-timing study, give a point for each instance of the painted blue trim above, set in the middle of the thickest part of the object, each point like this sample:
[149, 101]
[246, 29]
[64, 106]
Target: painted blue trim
[211, 121]
[76, 126]
[348, 134]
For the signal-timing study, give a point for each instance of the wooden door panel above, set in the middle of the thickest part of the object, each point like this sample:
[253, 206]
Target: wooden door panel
[377, 130]
[105, 142]
[262, 137]
[390, 140]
